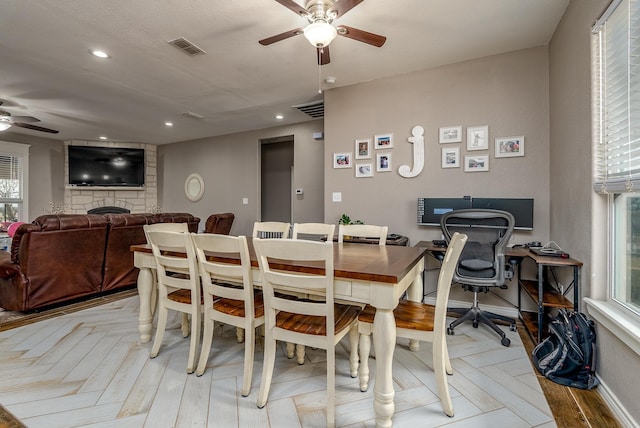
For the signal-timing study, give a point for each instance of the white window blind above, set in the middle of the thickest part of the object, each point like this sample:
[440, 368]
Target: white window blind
[10, 178]
[616, 91]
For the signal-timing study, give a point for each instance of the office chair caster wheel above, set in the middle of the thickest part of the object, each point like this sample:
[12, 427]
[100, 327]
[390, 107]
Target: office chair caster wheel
[475, 324]
[505, 342]
[450, 331]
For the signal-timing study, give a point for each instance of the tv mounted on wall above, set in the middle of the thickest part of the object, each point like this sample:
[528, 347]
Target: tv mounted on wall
[106, 166]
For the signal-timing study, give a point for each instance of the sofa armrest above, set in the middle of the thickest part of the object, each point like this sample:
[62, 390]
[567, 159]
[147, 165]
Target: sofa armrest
[8, 269]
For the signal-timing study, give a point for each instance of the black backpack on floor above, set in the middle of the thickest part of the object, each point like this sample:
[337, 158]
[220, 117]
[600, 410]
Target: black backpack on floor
[568, 355]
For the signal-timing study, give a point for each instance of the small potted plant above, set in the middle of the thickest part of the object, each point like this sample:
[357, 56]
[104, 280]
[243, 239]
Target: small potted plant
[345, 219]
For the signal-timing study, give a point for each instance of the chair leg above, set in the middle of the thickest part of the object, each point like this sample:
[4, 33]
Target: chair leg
[331, 387]
[291, 350]
[240, 334]
[353, 355]
[249, 345]
[207, 341]
[162, 325]
[185, 325]
[195, 339]
[365, 349]
[267, 369]
[440, 360]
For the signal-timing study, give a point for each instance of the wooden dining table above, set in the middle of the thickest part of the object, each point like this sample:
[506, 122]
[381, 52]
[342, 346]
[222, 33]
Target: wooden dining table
[365, 274]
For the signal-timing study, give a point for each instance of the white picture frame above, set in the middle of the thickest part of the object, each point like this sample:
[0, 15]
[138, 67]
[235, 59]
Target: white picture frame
[383, 162]
[509, 147]
[478, 138]
[450, 157]
[476, 163]
[383, 141]
[342, 160]
[364, 170]
[450, 134]
[363, 148]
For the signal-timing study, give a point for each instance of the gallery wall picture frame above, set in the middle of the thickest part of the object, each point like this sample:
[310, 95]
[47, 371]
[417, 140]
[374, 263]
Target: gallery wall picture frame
[509, 147]
[450, 134]
[478, 138]
[363, 148]
[476, 163]
[451, 157]
[383, 141]
[342, 160]
[383, 162]
[364, 170]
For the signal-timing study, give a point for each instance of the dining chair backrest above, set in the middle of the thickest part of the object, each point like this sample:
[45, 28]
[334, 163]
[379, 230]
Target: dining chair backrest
[363, 231]
[447, 270]
[165, 227]
[271, 229]
[223, 278]
[313, 231]
[320, 283]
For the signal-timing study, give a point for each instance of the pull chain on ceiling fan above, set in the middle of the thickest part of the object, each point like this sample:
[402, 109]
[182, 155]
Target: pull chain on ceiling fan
[320, 32]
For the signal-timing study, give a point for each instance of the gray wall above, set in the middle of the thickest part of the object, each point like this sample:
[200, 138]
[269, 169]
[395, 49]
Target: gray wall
[231, 169]
[578, 215]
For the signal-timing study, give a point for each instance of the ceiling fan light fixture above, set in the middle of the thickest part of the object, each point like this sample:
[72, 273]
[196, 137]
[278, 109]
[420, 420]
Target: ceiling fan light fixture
[320, 33]
[4, 125]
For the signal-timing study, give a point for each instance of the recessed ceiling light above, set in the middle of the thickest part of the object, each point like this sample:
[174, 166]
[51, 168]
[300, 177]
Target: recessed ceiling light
[279, 116]
[102, 137]
[99, 53]
[168, 124]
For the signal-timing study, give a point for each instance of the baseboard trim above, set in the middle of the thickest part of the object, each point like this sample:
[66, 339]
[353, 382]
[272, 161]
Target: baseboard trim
[617, 408]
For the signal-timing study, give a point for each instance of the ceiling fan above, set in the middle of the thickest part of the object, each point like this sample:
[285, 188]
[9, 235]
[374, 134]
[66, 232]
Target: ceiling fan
[320, 32]
[7, 120]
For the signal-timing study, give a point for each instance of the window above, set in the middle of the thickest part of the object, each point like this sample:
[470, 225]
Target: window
[14, 164]
[616, 55]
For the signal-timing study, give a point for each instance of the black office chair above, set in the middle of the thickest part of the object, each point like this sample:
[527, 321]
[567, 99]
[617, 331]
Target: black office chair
[482, 264]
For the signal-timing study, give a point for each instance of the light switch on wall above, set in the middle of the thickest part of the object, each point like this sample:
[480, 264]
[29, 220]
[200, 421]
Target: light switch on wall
[337, 197]
[245, 201]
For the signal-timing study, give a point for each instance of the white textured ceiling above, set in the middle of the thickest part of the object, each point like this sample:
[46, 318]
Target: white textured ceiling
[46, 71]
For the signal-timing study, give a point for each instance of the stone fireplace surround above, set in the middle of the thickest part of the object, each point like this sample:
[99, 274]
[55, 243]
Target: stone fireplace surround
[79, 200]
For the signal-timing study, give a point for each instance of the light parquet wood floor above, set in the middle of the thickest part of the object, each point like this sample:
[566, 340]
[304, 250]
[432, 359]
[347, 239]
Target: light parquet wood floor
[89, 369]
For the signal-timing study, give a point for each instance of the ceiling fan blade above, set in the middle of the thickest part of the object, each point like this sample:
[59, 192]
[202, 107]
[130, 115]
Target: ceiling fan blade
[361, 35]
[25, 118]
[323, 56]
[281, 36]
[34, 127]
[290, 4]
[341, 7]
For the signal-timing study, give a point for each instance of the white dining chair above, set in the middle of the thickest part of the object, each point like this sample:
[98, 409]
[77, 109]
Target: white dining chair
[313, 231]
[420, 321]
[363, 231]
[228, 295]
[178, 286]
[271, 229]
[315, 323]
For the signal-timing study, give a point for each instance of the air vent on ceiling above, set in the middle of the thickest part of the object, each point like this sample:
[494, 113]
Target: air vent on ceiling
[314, 109]
[186, 46]
[192, 115]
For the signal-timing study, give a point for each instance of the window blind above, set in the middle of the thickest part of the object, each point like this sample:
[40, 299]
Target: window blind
[10, 178]
[616, 92]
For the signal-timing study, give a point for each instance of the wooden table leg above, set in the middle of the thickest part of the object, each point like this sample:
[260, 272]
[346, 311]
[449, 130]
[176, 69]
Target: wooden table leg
[384, 336]
[145, 318]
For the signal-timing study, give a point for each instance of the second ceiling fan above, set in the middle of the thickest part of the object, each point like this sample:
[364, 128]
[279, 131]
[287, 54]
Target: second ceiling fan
[320, 32]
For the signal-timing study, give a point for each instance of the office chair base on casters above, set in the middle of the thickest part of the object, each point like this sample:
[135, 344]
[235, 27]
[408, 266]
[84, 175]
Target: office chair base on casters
[476, 315]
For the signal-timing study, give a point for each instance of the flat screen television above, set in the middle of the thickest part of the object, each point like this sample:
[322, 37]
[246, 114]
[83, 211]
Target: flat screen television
[106, 166]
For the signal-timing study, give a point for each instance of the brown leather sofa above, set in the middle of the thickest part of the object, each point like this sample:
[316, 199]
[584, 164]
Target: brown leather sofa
[58, 258]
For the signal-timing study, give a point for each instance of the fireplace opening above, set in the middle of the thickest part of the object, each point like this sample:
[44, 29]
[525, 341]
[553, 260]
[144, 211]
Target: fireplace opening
[109, 210]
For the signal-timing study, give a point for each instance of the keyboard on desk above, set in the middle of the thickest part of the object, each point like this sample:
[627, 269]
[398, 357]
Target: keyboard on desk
[439, 242]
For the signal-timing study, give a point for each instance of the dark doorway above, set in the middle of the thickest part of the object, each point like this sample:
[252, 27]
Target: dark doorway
[275, 179]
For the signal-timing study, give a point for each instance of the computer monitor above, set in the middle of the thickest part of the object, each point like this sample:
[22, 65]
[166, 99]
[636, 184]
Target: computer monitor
[520, 208]
[431, 209]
